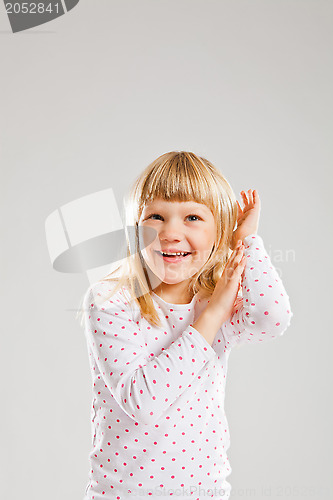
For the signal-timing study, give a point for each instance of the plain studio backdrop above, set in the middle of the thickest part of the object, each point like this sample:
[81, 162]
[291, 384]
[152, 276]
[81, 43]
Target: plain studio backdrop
[87, 101]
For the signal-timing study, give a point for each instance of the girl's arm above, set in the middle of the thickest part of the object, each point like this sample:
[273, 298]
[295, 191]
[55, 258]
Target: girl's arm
[144, 386]
[265, 311]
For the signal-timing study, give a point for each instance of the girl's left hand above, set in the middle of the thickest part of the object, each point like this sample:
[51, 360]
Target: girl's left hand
[248, 216]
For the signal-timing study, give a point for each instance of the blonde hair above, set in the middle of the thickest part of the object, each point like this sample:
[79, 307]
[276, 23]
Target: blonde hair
[177, 176]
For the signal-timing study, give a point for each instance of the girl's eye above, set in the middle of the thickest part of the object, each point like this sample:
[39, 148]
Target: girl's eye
[157, 215]
[153, 215]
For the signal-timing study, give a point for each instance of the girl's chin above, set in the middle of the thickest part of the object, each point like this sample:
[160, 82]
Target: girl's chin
[173, 272]
[172, 276]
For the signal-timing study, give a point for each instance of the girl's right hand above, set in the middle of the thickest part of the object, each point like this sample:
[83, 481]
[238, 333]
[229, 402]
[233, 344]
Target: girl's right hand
[223, 298]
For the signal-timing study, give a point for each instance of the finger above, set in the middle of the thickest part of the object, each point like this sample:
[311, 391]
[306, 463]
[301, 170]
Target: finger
[256, 198]
[240, 210]
[239, 245]
[250, 195]
[236, 271]
[244, 197]
[231, 259]
[231, 263]
[241, 264]
[236, 255]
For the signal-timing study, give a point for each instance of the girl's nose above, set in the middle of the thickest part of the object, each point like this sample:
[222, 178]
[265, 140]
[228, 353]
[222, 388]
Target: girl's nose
[171, 230]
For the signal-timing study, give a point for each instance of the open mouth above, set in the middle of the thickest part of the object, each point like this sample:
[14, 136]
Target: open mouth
[173, 258]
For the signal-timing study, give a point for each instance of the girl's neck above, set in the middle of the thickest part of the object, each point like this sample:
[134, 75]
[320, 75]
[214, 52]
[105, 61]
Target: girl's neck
[174, 296]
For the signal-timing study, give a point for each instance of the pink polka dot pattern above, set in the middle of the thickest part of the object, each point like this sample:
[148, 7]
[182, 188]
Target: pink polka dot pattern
[157, 417]
[265, 312]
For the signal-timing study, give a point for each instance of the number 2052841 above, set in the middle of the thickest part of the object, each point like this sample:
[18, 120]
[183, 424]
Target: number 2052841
[31, 8]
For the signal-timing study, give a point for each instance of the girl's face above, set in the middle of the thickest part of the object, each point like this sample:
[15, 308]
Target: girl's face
[181, 227]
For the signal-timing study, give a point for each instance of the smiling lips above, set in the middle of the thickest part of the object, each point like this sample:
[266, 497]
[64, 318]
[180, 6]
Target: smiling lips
[174, 258]
[173, 250]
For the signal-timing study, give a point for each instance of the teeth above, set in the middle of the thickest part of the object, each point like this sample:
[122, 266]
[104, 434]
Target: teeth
[178, 253]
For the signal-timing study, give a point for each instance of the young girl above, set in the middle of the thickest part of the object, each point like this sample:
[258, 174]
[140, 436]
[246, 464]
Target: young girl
[159, 341]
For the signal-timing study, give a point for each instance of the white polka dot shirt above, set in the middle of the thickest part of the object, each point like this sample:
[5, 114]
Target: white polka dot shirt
[159, 427]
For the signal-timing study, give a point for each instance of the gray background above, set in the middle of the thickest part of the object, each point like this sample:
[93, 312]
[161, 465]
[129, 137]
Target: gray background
[87, 101]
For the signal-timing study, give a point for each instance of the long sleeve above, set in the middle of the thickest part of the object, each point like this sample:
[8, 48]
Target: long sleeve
[265, 311]
[144, 388]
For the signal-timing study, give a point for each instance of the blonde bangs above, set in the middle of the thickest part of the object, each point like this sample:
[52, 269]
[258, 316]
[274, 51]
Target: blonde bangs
[179, 176]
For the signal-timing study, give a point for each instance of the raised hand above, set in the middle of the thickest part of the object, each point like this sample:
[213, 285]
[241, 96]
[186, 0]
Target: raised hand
[223, 298]
[248, 216]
